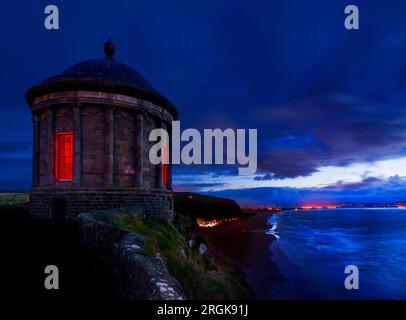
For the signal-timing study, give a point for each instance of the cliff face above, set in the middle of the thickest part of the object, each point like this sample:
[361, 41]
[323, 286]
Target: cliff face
[139, 276]
[197, 205]
[151, 258]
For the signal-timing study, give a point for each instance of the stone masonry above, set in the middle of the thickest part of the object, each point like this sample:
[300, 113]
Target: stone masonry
[109, 109]
[138, 276]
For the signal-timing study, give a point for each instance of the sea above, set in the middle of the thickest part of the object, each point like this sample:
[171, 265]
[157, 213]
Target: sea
[314, 247]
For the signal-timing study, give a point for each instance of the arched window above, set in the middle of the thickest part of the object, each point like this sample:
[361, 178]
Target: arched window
[64, 156]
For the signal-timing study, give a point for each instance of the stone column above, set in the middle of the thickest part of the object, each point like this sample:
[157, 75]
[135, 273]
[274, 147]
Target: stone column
[159, 182]
[50, 144]
[110, 119]
[77, 163]
[139, 151]
[35, 150]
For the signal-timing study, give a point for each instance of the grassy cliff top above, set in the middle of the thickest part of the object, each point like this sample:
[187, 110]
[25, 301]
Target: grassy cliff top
[200, 276]
[13, 199]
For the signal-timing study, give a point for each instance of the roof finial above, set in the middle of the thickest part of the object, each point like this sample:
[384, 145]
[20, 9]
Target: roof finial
[109, 49]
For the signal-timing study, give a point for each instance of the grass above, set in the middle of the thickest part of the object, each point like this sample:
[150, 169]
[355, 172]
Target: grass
[201, 276]
[12, 199]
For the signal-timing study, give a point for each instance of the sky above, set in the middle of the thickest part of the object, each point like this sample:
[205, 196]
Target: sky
[328, 103]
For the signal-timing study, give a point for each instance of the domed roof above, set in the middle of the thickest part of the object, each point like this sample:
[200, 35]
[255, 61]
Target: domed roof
[102, 75]
[106, 69]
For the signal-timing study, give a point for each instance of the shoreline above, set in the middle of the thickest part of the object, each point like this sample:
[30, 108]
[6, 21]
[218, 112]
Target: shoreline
[246, 245]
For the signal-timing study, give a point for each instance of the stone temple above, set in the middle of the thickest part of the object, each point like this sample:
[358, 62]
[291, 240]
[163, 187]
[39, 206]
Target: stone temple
[91, 141]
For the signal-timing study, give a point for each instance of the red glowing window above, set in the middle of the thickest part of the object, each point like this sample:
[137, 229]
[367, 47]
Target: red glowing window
[165, 168]
[64, 156]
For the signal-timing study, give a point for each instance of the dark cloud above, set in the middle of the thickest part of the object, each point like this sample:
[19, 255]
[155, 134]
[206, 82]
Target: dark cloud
[318, 94]
[210, 171]
[373, 192]
[180, 187]
[340, 185]
[265, 177]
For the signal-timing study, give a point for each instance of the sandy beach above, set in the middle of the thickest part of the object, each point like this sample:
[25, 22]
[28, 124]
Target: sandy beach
[245, 244]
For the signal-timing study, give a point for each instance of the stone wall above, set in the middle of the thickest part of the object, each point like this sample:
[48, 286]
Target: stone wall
[111, 154]
[94, 150]
[63, 119]
[154, 203]
[138, 276]
[125, 139]
[93, 163]
[151, 171]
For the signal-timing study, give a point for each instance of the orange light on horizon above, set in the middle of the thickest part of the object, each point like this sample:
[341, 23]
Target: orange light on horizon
[273, 209]
[330, 206]
[308, 207]
[210, 223]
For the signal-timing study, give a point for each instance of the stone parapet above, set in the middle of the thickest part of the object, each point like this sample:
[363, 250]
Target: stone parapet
[138, 276]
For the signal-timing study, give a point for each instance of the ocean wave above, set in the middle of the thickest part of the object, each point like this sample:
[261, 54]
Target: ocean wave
[273, 227]
[272, 233]
[272, 221]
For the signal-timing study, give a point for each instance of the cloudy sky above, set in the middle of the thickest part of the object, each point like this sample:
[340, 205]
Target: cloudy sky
[328, 103]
